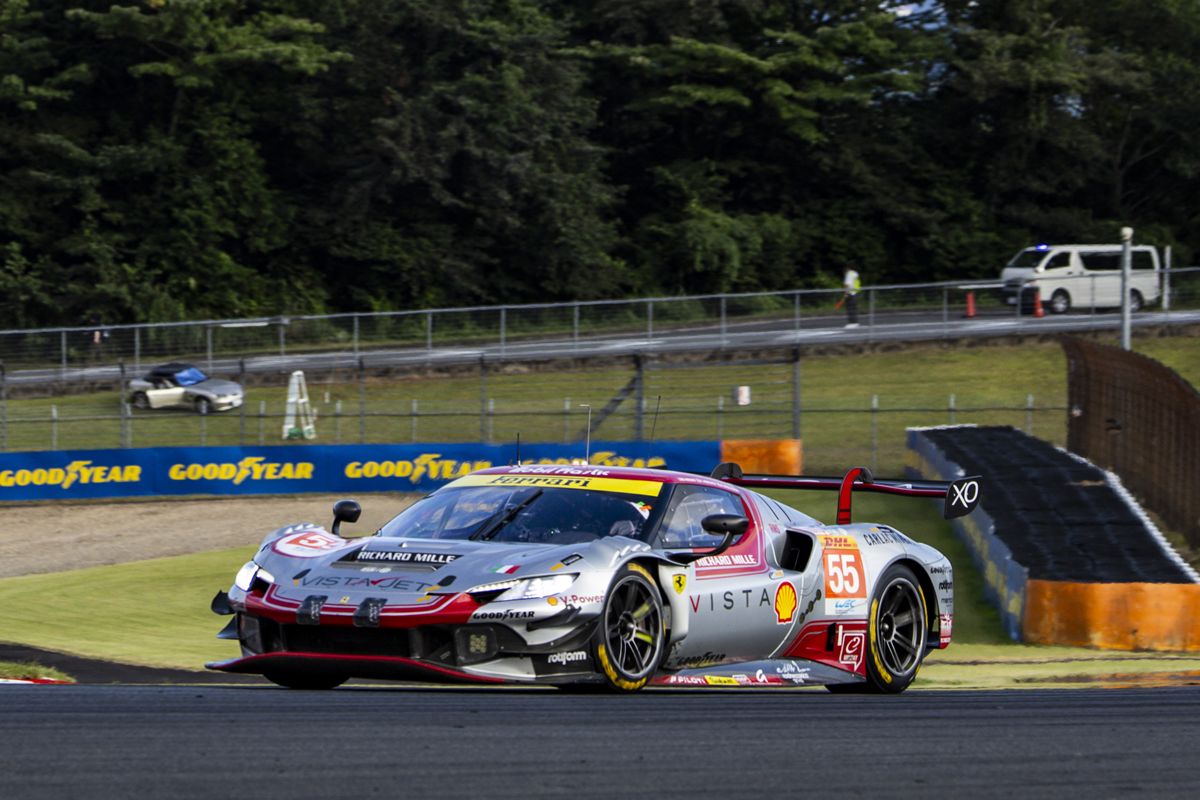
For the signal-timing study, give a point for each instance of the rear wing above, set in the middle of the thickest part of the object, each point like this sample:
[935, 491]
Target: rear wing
[961, 495]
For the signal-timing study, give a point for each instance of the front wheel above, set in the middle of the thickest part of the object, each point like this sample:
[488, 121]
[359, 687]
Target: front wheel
[630, 640]
[317, 681]
[203, 405]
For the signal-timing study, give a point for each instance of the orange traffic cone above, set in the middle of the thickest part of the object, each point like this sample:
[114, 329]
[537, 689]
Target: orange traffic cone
[1038, 311]
[970, 312]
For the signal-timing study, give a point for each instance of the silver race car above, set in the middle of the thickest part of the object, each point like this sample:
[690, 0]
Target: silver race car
[178, 385]
[608, 578]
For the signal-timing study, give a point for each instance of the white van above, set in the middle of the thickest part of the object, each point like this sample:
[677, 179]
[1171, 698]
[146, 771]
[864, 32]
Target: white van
[1081, 276]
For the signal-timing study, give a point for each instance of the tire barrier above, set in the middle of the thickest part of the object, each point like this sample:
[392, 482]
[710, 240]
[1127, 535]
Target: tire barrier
[1067, 555]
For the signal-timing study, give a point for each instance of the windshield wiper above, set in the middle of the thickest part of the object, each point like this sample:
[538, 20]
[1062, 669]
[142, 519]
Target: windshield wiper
[489, 531]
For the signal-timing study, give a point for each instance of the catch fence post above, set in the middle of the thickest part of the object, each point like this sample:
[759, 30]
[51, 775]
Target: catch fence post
[413, 420]
[951, 408]
[575, 325]
[566, 420]
[1029, 414]
[337, 422]
[354, 340]
[53, 427]
[3, 407]
[362, 401]
[639, 422]
[649, 319]
[137, 349]
[796, 429]
[62, 338]
[483, 400]
[208, 343]
[124, 430]
[720, 417]
[262, 421]
[242, 408]
[874, 432]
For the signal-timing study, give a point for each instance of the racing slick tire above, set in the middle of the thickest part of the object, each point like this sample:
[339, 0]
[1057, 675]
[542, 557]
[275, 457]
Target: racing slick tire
[140, 401]
[630, 640]
[896, 634]
[308, 681]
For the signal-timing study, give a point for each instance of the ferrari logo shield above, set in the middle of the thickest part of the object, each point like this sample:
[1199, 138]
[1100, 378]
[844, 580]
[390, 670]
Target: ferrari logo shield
[680, 583]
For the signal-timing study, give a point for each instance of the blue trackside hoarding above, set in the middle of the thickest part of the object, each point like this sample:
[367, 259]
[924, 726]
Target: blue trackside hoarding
[287, 469]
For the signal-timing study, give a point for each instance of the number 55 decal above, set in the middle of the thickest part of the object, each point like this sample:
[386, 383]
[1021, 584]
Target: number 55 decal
[843, 575]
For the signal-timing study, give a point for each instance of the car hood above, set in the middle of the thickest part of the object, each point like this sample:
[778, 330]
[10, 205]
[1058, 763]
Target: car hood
[216, 386]
[406, 571]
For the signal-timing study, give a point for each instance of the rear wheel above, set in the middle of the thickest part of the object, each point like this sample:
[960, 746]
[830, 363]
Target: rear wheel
[896, 631]
[1135, 301]
[1060, 302]
[629, 642]
[318, 681]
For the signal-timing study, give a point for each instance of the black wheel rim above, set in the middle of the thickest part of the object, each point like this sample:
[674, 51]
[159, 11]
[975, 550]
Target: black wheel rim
[900, 627]
[633, 628]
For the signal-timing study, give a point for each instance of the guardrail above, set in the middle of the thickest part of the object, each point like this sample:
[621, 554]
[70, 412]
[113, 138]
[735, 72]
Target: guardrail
[652, 325]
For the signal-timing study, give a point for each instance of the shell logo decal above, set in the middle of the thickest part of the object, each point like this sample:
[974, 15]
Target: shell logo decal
[785, 603]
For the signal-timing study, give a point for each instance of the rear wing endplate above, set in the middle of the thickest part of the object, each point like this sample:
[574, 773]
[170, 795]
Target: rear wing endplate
[961, 496]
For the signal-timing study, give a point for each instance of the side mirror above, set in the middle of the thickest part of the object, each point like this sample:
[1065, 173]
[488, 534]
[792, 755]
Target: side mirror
[731, 526]
[344, 511]
[725, 524]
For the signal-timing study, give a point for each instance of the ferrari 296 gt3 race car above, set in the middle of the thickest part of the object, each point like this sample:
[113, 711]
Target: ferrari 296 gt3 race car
[613, 578]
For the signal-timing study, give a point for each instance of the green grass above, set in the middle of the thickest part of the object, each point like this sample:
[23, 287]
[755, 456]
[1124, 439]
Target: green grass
[29, 670]
[153, 612]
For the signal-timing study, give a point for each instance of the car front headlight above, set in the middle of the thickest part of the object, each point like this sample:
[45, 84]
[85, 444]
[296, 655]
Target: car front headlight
[248, 573]
[527, 588]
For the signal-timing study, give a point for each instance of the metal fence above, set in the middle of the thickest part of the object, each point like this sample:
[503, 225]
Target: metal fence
[582, 329]
[1140, 419]
[634, 398]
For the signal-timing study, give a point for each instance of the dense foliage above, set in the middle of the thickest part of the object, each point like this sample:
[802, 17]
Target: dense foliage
[171, 159]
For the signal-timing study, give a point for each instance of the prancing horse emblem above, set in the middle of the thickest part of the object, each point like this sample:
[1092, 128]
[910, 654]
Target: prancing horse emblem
[680, 583]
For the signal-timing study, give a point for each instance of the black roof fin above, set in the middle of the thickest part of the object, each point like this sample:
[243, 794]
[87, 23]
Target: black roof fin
[726, 469]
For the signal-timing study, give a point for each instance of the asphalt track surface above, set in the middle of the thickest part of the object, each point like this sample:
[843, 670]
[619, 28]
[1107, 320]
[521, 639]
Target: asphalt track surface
[263, 742]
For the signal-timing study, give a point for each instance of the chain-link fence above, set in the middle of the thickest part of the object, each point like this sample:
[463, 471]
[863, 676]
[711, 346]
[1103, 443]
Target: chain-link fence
[625, 399]
[1140, 419]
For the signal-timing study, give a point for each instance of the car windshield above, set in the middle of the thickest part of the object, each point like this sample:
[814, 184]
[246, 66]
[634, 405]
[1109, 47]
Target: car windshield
[1029, 257]
[537, 514]
[189, 376]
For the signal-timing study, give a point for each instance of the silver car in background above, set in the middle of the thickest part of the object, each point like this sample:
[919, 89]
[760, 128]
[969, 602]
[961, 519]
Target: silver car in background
[179, 385]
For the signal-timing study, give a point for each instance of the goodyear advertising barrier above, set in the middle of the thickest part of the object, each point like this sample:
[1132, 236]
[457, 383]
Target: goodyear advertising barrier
[286, 469]
[1005, 580]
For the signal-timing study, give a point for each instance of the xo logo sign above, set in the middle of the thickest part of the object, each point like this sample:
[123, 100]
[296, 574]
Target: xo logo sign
[961, 497]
